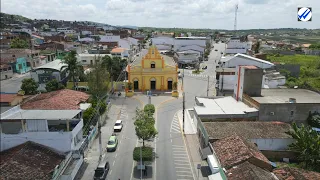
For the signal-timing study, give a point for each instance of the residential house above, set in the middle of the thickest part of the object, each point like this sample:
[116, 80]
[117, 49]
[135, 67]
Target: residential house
[120, 52]
[110, 41]
[285, 173]
[239, 159]
[37, 40]
[90, 59]
[123, 33]
[52, 119]
[10, 99]
[21, 60]
[29, 161]
[235, 46]
[6, 71]
[153, 71]
[67, 31]
[52, 70]
[186, 58]
[25, 30]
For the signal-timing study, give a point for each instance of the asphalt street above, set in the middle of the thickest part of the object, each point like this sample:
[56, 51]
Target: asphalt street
[121, 162]
[13, 85]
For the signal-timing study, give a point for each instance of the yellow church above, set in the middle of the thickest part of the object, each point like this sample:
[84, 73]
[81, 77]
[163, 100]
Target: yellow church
[153, 71]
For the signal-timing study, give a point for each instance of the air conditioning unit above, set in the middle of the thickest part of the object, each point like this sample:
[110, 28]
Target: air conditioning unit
[272, 113]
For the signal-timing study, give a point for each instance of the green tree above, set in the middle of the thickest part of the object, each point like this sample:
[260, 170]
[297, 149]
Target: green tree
[98, 81]
[114, 65]
[73, 66]
[29, 86]
[314, 119]
[54, 85]
[149, 109]
[147, 154]
[19, 43]
[307, 144]
[87, 115]
[257, 47]
[144, 126]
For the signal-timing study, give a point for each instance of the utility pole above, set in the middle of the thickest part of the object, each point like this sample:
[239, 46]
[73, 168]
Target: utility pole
[208, 87]
[182, 78]
[140, 162]
[183, 109]
[99, 131]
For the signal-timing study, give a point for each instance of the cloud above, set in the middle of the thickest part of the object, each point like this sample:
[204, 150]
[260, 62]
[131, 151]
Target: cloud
[215, 14]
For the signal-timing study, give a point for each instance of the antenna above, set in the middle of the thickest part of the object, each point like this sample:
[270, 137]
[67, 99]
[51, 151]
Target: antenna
[235, 17]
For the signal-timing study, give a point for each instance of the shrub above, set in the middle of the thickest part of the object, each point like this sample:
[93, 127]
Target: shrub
[147, 153]
[87, 115]
[314, 119]
[149, 109]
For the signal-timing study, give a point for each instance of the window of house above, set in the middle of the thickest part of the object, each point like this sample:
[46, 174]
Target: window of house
[84, 60]
[153, 65]
[9, 68]
[292, 112]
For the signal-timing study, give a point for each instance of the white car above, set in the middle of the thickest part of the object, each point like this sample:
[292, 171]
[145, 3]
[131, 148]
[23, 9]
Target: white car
[118, 126]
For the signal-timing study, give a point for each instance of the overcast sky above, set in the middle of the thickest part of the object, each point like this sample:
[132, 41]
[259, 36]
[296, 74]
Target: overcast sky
[213, 14]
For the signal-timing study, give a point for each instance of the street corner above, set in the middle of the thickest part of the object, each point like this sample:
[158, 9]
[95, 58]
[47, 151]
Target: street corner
[164, 99]
[140, 99]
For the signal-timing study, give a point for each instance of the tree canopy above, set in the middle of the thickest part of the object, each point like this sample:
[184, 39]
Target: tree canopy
[307, 144]
[114, 65]
[147, 154]
[73, 66]
[29, 86]
[144, 125]
[149, 109]
[19, 43]
[314, 119]
[54, 85]
[98, 81]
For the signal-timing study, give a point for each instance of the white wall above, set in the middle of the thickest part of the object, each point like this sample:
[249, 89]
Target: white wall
[236, 61]
[60, 141]
[273, 144]
[184, 42]
[228, 81]
[85, 59]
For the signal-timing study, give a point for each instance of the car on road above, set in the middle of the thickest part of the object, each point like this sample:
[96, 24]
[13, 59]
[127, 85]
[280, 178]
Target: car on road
[112, 143]
[180, 76]
[118, 126]
[102, 170]
[205, 67]
[216, 50]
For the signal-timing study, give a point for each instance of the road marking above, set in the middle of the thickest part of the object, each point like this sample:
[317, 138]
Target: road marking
[110, 171]
[183, 168]
[184, 141]
[113, 163]
[116, 155]
[180, 155]
[179, 164]
[171, 140]
[179, 160]
[178, 146]
[184, 175]
[183, 172]
[120, 142]
[178, 151]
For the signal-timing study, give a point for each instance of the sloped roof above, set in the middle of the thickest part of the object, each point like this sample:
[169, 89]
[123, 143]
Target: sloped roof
[233, 150]
[29, 161]
[248, 171]
[253, 58]
[7, 98]
[291, 173]
[64, 99]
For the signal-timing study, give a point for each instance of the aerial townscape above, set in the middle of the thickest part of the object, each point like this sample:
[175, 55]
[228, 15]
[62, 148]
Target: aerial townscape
[86, 100]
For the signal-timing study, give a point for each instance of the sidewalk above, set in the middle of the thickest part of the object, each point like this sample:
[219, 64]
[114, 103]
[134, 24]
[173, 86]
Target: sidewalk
[193, 146]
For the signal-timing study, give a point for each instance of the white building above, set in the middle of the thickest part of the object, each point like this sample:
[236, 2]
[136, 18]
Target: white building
[67, 31]
[90, 59]
[29, 31]
[187, 57]
[84, 33]
[235, 46]
[120, 52]
[242, 59]
[58, 129]
[52, 70]
[108, 39]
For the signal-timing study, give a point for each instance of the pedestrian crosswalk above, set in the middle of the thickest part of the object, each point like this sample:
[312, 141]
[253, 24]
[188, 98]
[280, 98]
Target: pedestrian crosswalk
[181, 163]
[175, 126]
[123, 115]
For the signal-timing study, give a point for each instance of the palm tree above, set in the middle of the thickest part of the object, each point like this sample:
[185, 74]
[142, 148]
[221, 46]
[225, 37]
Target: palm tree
[73, 66]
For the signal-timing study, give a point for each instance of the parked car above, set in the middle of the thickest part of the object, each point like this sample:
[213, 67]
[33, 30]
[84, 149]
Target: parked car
[118, 126]
[112, 143]
[205, 67]
[102, 170]
[216, 50]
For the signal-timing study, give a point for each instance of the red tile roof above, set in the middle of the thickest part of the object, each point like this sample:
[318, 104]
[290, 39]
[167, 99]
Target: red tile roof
[64, 99]
[29, 161]
[233, 150]
[291, 173]
[248, 171]
[7, 98]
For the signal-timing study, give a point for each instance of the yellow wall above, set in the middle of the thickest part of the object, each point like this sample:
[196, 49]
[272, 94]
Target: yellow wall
[161, 73]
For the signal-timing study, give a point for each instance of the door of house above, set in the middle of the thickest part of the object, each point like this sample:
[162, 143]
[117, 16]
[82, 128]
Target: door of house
[153, 85]
[169, 85]
[136, 85]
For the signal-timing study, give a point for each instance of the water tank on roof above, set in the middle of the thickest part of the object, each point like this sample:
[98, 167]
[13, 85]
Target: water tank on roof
[292, 100]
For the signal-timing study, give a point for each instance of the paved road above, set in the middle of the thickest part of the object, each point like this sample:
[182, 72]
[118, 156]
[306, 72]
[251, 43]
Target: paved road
[13, 85]
[121, 161]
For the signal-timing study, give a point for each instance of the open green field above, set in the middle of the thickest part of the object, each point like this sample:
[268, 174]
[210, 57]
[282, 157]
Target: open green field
[309, 70]
[295, 39]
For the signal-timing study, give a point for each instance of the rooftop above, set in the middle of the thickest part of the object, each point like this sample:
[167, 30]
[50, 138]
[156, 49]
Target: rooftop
[20, 51]
[117, 50]
[7, 98]
[233, 150]
[253, 58]
[41, 114]
[167, 59]
[30, 161]
[56, 65]
[274, 96]
[222, 106]
[291, 173]
[248, 171]
[64, 99]
[247, 129]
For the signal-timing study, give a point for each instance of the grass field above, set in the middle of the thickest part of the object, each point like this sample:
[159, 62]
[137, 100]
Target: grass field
[295, 39]
[309, 70]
